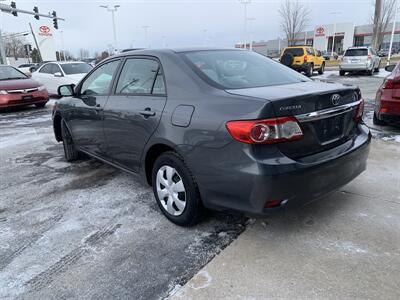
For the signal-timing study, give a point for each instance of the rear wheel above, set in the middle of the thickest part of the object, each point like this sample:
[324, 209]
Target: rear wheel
[370, 72]
[40, 105]
[70, 152]
[175, 190]
[342, 73]
[310, 70]
[376, 70]
[378, 121]
[321, 69]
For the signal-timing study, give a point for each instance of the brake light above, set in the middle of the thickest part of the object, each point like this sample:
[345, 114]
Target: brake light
[267, 131]
[360, 111]
[305, 58]
[388, 84]
[369, 57]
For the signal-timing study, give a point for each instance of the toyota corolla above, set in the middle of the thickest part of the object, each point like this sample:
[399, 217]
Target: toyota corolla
[214, 128]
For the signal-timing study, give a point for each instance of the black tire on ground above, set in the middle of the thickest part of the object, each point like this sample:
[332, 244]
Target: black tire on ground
[193, 210]
[376, 70]
[321, 69]
[40, 105]
[287, 59]
[342, 73]
[310, 70]
[70, 152]
[377, 121]
[370, 72]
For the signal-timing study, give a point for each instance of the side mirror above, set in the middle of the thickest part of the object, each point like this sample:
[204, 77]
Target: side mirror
[390, 68]
[66, 90]
[58, 74]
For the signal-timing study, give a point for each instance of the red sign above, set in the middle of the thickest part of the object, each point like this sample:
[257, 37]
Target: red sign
[320, 31]
[44, 30]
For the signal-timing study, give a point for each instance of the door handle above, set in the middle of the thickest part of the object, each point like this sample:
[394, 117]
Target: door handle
[98, 108]
[147, 113]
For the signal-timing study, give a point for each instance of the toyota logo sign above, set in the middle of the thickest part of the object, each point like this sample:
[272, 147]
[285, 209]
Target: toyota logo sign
[320, 31]
[335, 99]
[44, 29]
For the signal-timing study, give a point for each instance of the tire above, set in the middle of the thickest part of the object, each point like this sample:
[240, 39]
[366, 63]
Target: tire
[377, 121]
[376, 70]
[370, 72]
[310, 70]
[342, 73]
[287, 59]
[185, 207]
[40, 105]
[321, 69]
[70, 152]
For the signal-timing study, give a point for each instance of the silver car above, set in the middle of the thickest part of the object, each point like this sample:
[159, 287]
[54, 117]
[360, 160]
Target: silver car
[357, 59]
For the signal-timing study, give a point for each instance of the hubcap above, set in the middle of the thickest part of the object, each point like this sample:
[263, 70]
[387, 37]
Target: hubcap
[171, 190]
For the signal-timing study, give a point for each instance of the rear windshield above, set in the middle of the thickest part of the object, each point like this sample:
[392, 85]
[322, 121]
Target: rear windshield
[7, 72]
[235, 69]
[294, 51]
[76, 68]
[356, 52]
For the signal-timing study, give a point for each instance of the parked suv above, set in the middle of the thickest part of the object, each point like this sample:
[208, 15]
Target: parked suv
[303, 59]
[357, 59]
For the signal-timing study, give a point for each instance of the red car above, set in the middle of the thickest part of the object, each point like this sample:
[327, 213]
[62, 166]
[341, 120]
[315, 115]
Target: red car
[17, 89]
[387, 101]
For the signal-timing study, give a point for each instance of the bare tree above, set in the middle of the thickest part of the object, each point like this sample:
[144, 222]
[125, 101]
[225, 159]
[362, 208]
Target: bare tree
[83, 53]
[383, 15]
[294, 18]
[14, 45]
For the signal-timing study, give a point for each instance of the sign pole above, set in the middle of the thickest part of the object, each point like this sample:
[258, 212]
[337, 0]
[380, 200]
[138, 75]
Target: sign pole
[36, 43]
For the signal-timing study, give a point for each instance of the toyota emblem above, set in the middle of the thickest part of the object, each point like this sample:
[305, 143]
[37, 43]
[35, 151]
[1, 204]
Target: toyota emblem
[335, 99]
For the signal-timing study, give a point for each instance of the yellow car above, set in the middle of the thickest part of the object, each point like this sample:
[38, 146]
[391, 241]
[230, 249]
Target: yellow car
[303, 59]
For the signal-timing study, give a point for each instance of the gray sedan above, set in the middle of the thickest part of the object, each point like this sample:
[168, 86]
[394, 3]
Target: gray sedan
[214, 128]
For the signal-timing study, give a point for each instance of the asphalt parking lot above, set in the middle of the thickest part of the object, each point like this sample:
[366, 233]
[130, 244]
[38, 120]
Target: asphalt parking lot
[87, 230]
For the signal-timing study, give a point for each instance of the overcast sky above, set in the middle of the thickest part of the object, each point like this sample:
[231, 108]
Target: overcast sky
[174, 23]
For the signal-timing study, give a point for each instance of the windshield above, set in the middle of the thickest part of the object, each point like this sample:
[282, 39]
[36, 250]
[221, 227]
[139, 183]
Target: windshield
[76, 68]
[7, 72]
[294, 51]
[356, 52]
[233, 69]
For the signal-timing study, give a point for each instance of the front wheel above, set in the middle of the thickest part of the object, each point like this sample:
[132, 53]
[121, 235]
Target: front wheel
[342, 73]
[70, 152]
[40, 105]
[175, 190]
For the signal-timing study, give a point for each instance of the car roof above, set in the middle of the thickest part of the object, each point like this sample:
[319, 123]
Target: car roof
[171, 50]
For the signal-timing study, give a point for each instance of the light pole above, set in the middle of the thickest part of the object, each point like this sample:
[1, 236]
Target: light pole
[145, 28]
[392, 35]
[62, 45]
[245, 3]
[334, 31]
[250, 34]
[112, 10]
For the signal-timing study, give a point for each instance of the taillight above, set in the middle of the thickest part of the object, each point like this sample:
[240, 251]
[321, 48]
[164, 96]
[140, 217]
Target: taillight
[305, 58]
[267, 131]
[369, 57]
[360, 111]
[388, 84]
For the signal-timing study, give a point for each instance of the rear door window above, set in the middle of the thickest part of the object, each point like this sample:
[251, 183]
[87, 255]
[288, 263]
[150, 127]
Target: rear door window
[138, 76]
[294, 51]
[356, 52]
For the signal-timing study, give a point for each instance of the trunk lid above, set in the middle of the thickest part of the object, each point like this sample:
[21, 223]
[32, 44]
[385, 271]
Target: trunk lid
[302, 100]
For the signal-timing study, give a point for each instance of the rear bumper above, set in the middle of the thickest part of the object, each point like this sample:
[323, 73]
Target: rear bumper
[301, 68]
[14, 100]
[245, 183]
[355, 67]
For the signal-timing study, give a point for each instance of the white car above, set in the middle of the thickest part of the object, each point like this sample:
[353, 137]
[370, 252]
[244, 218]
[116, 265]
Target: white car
[357, 59]
[54, 74]
[26, 68]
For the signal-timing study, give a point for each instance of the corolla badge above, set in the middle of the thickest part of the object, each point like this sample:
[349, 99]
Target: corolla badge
[335, 99]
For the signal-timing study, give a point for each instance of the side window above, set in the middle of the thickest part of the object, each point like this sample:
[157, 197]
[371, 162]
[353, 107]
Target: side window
[55, 69]
[159, 85]
[99, 82]
[46, 69]
[137, 76]
[308, 50]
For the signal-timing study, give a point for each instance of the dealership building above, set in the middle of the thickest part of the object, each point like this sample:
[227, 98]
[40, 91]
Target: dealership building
[321, 38]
